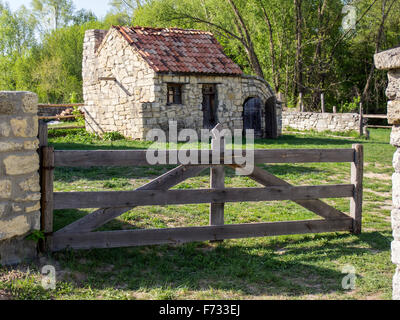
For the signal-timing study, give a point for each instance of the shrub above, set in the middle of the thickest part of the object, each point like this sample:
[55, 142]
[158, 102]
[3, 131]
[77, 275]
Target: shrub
[113, 136]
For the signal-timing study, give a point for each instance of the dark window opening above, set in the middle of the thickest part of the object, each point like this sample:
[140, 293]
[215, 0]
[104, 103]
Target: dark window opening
[174, 95]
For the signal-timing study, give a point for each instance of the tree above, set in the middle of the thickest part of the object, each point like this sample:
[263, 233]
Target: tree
[52, 14]
[17, 37]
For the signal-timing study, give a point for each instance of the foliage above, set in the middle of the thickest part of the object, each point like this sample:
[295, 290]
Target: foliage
[353, 106]
[41, 47]
[113, 136]
[36, 235]
[73, 136]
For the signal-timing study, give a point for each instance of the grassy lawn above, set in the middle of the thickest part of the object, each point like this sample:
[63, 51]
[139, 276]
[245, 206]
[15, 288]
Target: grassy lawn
[283, 267]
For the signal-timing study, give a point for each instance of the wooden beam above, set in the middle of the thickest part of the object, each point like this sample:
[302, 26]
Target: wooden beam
[67, 127]
[375, 126]
[317, 206]
[57, 117]
[67, 105]
[217, 178]
[43, 134]
[47, 201]
[113, 199]
[163, 182]
[85, 158]
[128, 238]
[375, 116]
[303, 155]
[357, 180]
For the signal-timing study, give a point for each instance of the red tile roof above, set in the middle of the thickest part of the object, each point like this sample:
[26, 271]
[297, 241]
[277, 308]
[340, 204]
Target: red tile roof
[180, 51]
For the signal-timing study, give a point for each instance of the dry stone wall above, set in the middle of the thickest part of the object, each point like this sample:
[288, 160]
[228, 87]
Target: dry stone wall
[19, 178]
[390, 60]
[136, 101]
[336, 122]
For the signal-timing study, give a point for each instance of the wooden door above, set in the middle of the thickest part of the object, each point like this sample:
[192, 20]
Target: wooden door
[252, 116]
[210, 106]
[270, 118]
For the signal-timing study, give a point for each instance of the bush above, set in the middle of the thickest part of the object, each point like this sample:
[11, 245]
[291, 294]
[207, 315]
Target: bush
[113, 136]
[351, 106]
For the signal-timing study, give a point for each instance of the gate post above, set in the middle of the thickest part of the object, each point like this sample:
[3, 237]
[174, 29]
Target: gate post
[47, 205]
[19, 178]
[357, 167]
[217, 176]
[390, 60]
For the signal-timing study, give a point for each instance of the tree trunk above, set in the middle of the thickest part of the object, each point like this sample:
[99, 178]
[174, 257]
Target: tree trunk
[250, 47]
[378, 43]
[275, 75]
[298, 74]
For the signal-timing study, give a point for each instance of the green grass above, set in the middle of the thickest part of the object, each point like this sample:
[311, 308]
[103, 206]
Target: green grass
[284, 267]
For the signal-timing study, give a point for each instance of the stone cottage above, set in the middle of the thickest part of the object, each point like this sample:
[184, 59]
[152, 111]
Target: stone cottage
[136, 79]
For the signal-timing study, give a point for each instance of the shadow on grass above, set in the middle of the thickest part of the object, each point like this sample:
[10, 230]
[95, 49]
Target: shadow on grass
[280, 266]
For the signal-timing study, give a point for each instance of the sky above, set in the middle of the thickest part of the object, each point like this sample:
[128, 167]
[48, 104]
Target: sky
[99, 7]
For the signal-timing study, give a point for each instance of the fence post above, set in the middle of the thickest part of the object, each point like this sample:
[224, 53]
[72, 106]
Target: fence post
[301, 102]
[361, 120]
[47, 205]
[322, 102]
[217, 177]
[357, 180]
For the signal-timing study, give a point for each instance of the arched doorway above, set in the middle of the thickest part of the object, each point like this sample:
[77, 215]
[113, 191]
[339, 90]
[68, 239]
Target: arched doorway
[270, 118]
[252, 115]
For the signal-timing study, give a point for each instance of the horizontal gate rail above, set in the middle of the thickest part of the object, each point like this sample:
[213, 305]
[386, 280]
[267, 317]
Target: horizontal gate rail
[83, 158]
[113, 199]
[128, 238]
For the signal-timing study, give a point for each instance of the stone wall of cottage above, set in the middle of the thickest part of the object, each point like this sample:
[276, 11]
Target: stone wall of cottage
[231, 95]
[136, 101]
[114, 105]
[19, 177]
[337, 122]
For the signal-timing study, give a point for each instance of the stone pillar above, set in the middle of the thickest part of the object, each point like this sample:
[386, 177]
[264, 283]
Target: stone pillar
[390, 60]
[19, 177]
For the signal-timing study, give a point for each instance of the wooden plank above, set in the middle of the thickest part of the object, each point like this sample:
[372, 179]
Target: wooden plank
[112, 199]
[85, 158]
[375, 116]
[67, 105]
[317, 206]
[217, 178]
[128, 238]
[357, 168]
[67, 127]
[104, 215]
[47, 201]
[303, 155]
[57, 117]
[376, 126]
[361, 124]
[43, 134]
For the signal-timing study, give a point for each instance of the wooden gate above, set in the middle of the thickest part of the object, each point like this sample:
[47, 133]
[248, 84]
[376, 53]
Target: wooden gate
[80, 235]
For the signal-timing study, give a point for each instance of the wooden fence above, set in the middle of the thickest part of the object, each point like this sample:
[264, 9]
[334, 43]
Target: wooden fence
[80, 235]
[370, 116]
[56, 117]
